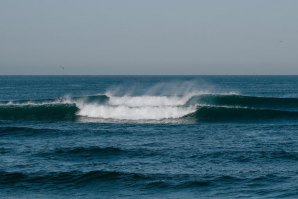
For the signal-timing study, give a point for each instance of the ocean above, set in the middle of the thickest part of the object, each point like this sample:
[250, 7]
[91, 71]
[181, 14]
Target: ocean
[148, 136]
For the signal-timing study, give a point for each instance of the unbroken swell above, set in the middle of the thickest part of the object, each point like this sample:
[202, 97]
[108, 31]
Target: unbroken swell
[38, 112]
[224, 114]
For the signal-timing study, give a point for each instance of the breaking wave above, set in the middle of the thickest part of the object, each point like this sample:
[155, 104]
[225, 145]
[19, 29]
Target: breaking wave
[198, 107]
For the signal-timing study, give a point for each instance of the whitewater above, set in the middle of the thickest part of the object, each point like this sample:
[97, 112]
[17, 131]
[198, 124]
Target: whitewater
[138, 108]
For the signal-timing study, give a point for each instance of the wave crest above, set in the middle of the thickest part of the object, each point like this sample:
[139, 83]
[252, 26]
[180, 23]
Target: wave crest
[201, 107]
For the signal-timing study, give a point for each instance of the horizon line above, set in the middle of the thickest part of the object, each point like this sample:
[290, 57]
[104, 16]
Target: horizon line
[149, 75]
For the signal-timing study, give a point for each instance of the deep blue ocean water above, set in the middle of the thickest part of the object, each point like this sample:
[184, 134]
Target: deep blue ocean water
[148, 136]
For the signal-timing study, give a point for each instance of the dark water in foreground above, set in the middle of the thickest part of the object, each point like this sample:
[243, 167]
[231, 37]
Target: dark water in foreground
[149, 137]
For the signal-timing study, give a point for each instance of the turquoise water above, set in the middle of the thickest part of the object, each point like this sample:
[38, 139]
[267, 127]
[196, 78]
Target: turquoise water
[149, 136]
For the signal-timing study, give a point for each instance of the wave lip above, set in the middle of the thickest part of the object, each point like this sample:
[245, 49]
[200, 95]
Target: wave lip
[224, 114]
[243, 101]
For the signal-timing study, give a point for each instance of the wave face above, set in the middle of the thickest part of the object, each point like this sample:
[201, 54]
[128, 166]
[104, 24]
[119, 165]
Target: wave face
[223, 114]
[38, 111]
[244, 101]
[198, 107]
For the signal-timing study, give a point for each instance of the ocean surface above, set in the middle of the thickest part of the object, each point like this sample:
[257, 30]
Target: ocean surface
[149, 137]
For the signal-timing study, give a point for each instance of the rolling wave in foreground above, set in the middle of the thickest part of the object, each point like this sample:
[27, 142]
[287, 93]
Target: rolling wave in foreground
[189, 107]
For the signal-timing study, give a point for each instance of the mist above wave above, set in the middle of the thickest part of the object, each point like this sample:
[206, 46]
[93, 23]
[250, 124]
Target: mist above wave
[160, 101]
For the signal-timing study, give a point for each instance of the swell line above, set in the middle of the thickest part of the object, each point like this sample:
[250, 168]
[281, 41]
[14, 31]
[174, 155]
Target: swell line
[224, 114]
[201, 107]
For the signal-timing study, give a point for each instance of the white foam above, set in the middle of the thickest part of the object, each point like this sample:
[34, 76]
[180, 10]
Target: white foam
[133, 113]
[139, 101]
[138, 108]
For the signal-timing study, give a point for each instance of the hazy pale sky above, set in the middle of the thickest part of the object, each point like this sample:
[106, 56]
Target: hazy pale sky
[148, 37]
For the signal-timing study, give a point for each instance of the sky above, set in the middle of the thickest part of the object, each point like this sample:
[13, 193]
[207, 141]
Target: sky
[148, 37]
